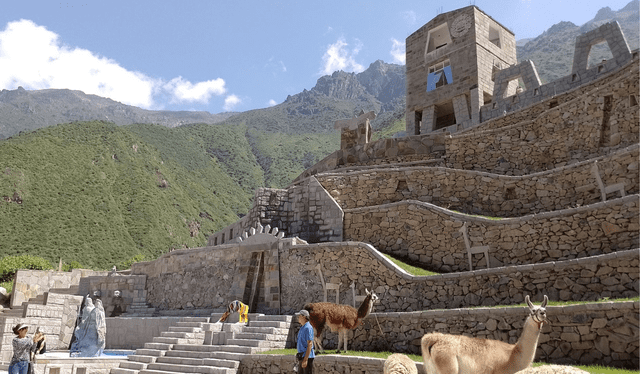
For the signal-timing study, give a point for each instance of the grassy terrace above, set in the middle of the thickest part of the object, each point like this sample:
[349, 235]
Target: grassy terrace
[593, 369]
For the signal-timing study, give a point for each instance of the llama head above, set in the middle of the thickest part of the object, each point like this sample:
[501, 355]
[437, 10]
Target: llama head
[373, 296]
[537, 313]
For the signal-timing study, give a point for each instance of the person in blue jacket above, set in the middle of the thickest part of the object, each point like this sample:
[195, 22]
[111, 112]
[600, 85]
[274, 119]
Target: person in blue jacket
[305, 354]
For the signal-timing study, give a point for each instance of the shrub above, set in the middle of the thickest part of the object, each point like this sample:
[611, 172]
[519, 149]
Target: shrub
[11, 264]
[72, 265]
[127, 263]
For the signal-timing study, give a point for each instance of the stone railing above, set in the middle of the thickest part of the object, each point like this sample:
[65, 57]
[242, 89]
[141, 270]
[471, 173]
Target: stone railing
[431, 236]
[483, 193]
[613, 275]
[32, 283]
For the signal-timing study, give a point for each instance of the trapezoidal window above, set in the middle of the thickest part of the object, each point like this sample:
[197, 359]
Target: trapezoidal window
[445, 115]
[439, 75]
[438, 37]
[494, 36]
[598, 54]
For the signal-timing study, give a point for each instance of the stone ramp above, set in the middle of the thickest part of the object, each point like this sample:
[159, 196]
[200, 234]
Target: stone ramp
[195, 345]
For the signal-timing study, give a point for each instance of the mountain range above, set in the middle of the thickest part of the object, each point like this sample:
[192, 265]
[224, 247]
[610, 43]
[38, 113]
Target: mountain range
[89, 179]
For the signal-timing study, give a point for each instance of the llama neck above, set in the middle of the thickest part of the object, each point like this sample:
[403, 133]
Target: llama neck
[525, 348]
[365, 308]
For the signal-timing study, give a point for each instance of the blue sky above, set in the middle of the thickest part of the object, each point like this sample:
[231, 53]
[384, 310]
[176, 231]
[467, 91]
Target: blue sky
[229, 55]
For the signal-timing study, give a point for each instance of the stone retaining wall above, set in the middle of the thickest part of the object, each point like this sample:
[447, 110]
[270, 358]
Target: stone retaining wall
[131, 287]
[384, 151]
[576, 130]
[601, 333]
[32, 283]
[305, 210]
[612, 275]
[483, 193]
[323, 364]
[133, 333]
[605, 81]
[430, 235]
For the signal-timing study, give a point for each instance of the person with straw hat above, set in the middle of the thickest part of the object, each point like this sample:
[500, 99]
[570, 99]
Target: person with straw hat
[22, 347]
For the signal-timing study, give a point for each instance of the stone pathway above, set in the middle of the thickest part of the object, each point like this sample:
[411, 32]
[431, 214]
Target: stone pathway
[195, 345]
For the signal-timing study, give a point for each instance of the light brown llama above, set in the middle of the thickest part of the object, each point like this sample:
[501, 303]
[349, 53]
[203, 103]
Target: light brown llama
[458, 354]
[398, 363]
[338, 317]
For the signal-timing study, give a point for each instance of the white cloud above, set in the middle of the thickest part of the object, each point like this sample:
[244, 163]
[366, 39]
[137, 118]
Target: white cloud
[339, 57]
[183, 90]
[231, 102]
[34, 57]
[272, 102]
[410, 16]
[398, 51]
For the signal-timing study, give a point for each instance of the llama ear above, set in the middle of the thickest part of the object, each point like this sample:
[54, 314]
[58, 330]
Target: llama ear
[367, 291]
[526, 298]
[544, 302]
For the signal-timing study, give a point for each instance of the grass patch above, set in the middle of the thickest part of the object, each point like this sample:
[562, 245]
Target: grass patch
[593, 369]
[413, 270]
[7, 286]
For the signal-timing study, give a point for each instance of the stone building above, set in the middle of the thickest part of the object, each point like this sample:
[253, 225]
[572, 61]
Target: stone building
[451, 63]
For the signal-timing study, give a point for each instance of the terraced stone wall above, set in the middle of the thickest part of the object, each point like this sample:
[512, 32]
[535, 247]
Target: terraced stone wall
[382, 152]
[430, 235]
[603, 333]
[612, 275]
[605, 82]
[32, 283]
[304, 210]
[486, 194]
[576, 130]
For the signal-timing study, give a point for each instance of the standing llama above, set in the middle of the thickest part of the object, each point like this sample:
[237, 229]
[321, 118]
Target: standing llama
[338, 317]
[457, 354]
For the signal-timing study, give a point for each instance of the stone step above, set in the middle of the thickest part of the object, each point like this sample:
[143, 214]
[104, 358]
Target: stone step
[183, 329]
[149, 352]
[217, 362]
[160, 346]
[195, 319]
[217, 348]
[279, 318]
[258, 336]
[177, 360]
[266, 330]
[258, 343]
[189, 354]
[159, 368]
[161, 339]
[274, 324]
[227, 355]
[182, 335]
[133, 365]
[123, 371]
[190, 324]
[65, 291]
[143, 359]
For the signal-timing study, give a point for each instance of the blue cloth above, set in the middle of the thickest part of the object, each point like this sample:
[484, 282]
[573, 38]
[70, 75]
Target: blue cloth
[19, 367]
[304, 335]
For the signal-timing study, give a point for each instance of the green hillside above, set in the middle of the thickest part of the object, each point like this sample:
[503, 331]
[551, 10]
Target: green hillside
[99, 194]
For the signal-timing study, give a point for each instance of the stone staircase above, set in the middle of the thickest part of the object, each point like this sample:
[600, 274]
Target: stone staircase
[196, 346]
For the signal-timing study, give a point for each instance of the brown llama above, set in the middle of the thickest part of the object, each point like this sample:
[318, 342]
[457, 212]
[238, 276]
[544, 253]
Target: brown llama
[458, 354]
[338, 317]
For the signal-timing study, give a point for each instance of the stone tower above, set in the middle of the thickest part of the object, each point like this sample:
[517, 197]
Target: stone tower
[451, 62]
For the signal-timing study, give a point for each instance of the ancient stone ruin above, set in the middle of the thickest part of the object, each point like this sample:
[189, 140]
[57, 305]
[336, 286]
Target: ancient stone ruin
[504, 192]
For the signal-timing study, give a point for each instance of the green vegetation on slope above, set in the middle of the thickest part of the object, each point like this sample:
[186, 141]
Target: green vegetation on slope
[100, 194]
